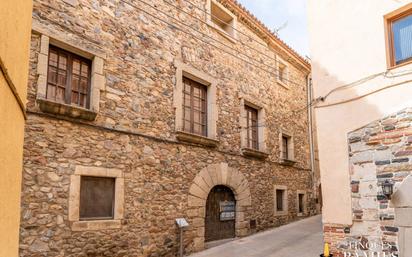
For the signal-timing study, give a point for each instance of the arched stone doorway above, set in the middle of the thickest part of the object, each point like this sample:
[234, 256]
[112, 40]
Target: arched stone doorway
[220, 214]
[217, 175]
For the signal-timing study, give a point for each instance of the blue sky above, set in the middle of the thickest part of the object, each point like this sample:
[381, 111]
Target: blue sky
[274, 13]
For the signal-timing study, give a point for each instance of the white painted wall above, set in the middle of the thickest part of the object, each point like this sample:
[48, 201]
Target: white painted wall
[347, 43]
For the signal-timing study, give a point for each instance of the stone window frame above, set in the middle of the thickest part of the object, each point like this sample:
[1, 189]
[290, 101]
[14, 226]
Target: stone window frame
[97, 80]
[185, 70]
[284, 83]
[285, 200]
[291, 147]
[262, 133]
[74, 199]
[231, 36]
[305, 204]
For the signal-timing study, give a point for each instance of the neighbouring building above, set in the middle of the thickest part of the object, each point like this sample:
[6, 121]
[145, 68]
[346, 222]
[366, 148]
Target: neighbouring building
[361, 66]
[142, 112]
[15, 27]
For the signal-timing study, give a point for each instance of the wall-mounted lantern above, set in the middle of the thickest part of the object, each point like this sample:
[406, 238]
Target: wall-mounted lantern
[387, 189]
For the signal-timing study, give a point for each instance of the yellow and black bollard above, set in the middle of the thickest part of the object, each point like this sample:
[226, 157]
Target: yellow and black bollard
[326, 251]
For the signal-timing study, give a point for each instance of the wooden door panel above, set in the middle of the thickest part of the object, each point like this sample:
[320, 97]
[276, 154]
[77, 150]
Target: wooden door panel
[215, 228]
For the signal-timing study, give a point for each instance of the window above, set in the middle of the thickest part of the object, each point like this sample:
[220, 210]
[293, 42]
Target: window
[97, 198]
[285, 148]
[287, 155]
[279, 199]
[194, 99]
[252, 127]
[399, 36]
[253, 130]
[300, 203]
[68, 79]
[194, 107]
[221, 19]
[282, 73]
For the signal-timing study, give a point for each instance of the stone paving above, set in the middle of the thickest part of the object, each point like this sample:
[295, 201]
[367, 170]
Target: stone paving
[302, 238]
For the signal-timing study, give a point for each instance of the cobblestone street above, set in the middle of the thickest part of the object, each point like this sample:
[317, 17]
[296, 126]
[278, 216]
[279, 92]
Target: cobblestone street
[302, 238]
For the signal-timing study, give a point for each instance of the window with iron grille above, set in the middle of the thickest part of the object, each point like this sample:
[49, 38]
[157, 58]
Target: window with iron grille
[285, 147]
[194, 107]
[68, 78]
[279, 199]
[252, 127]
[97, 198]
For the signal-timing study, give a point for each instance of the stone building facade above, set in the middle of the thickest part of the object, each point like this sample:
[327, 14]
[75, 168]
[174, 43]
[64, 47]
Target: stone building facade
[379, 152]
[128, 126]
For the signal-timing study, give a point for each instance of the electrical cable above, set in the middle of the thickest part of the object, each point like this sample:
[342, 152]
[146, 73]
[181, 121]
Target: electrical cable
[142, 135]
[200, 39]
[386, 74]
[365, 95]
[226, 24]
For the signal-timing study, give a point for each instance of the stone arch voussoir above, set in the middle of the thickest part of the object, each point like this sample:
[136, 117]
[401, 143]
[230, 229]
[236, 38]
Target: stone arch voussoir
[206, 179]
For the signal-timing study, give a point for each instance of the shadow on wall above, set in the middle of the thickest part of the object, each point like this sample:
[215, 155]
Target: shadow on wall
[346, 108]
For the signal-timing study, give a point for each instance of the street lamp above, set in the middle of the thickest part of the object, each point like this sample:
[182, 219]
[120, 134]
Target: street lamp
[387, 188]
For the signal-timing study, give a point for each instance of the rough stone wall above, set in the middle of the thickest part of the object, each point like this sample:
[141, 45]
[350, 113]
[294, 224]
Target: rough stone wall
[134, 131]
[378, 152]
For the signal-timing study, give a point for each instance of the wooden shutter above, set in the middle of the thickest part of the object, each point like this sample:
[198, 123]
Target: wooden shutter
[194, 107]
[80, 80]
[252, 127]
[285, 148]
[97, 198]
[69, 78]
[58, 73]
[279, 199]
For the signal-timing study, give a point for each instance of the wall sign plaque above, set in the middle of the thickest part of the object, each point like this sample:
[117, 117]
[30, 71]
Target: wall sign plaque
[227, 210]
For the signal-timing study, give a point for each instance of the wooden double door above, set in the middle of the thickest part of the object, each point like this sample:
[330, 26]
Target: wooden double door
[220, 214]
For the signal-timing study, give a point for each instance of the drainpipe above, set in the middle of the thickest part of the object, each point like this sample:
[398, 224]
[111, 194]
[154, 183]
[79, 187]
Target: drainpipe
[310, 121]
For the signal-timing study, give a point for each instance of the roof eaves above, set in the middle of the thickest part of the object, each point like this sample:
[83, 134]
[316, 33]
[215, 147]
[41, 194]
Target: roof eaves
[241, 10]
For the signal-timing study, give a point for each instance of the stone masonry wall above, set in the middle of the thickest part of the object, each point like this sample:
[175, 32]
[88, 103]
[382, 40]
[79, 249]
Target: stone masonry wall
[378, 152]
[134, 131]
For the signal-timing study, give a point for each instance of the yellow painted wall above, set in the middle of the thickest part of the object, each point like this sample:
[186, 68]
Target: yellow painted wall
[15, 27]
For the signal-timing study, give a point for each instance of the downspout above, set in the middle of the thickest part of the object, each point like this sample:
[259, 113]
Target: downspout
[310, 121]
